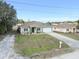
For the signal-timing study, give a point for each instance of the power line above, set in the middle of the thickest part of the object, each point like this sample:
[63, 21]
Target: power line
[39, 5]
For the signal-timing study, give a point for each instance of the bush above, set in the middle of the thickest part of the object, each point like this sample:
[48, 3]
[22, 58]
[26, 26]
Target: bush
[2, 29]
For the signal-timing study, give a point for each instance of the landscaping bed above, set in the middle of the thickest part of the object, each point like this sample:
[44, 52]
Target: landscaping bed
[28, 45]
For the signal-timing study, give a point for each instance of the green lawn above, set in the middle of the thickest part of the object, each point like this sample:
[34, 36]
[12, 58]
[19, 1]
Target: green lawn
[71, 35]
[27, 45]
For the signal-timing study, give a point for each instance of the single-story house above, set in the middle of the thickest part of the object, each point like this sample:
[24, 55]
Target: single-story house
[32, 27]
[47, 28]
[77, 28]
[15, 27]
[65, 27]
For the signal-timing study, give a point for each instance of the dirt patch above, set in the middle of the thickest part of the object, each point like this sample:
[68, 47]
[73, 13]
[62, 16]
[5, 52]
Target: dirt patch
[51, 53]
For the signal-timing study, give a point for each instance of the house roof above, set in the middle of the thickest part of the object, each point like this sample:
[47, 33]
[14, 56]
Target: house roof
[32, 24]
[65, 25]
[47, 25]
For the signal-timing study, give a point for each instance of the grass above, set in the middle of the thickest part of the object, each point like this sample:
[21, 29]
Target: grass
[71, 35]
[28, 45]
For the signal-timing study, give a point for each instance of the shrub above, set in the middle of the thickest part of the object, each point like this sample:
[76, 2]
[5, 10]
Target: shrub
[2, 29]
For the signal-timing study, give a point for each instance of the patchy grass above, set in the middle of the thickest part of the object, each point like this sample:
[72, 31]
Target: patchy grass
[52, 53]
[71, 35]
[28, 45]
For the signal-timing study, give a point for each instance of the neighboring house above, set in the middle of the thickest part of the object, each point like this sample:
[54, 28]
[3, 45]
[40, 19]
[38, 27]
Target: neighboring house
[15, 27]
[33, 27]
[64, 27]
[77, 28]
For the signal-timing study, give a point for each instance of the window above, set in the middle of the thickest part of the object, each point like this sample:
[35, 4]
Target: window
[73, 28]
[38, 29]
[67, 29]
[25, 29]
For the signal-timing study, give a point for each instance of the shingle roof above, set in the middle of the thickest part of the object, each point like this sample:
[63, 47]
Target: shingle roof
[33, 24]
[46, 25]
[65, 25]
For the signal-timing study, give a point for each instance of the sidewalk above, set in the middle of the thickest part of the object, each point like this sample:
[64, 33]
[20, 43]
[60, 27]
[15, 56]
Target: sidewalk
[6, 48]
[73, 55]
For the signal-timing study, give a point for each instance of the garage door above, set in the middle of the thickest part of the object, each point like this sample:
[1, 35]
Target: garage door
[47, 30]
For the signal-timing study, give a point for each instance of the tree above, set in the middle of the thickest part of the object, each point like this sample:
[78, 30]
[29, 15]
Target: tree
[7, 16]
[1, 0]
[49, 23]
[20, 21]
[78, 24]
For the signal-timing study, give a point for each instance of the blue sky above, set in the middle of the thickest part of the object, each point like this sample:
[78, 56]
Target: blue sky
[46, 10]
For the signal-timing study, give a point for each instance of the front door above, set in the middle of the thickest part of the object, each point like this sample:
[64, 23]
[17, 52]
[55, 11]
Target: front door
[74, 29]
[33, 29]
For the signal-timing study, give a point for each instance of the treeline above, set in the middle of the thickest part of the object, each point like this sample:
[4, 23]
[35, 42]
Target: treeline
[7, 17]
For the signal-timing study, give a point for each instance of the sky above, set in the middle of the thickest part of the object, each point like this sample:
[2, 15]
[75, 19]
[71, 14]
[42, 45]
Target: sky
[46, 10]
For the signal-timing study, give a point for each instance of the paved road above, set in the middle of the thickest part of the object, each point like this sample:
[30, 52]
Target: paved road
[6, 49]
[71, 42]
[73, 55]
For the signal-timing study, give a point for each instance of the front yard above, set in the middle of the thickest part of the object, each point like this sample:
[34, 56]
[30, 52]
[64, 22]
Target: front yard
[28, 45]
[71, 35]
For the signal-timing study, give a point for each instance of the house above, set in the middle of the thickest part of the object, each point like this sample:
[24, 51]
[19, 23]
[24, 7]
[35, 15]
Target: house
[65, 27]
[77, 28]
[47, 28]
[15, 27]
[34, 27]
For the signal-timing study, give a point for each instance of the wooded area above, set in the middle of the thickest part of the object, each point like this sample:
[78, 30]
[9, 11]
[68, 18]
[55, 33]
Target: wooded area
[7, 17]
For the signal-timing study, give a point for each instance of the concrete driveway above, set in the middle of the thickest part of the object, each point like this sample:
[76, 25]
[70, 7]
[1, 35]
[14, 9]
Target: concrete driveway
[6, 49]
[71, 42]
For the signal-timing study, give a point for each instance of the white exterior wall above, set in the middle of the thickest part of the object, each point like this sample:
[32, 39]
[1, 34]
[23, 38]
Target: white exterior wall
[24, 32]
[73, 30]
[41, 30]
[21, 30]
[64, 30]
[35, 30]
[77, 30]
[15, 28]
[27, 32]
[59, 30]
